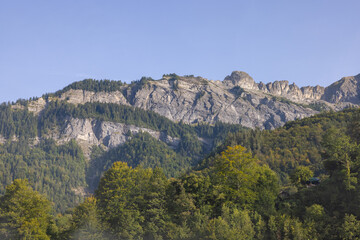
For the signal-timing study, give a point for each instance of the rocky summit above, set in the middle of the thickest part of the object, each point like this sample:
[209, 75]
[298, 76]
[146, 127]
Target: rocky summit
[238, 99]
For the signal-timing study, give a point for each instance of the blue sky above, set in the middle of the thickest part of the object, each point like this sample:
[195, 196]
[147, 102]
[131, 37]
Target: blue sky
[46, 45]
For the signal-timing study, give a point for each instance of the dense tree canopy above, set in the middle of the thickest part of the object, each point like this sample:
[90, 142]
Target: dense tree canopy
[24, 213]
[61, 171]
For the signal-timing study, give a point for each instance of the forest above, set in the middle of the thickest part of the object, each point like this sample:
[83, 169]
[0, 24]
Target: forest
[61, 171]
[252, 184]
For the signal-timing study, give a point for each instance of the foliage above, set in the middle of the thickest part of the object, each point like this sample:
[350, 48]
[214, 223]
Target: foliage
[24, 213]
[236, 174]
[142, 203]
[132, 201]
[234, 224]
[238, 178]
[17, 122]
[59, 171]
[53, 170]
[301, 175]
[350, 228]
[234, 197]
[140, 150]
[297, 143]
[86, 222]
[93, 85]
[233, 194]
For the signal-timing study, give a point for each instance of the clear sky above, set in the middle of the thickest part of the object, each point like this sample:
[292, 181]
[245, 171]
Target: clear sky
[46, 45]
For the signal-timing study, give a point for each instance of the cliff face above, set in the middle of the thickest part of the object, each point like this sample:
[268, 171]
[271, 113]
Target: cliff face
[238, 99]
[90, 132]
[346, 89]
[209, 101]
[81, 97]
[278, 88]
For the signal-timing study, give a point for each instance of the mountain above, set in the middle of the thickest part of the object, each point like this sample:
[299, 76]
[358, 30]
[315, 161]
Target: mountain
[166, 153]
[64, 141]
[238, 99]
[232, 193]
[64, 149]
[345, 90]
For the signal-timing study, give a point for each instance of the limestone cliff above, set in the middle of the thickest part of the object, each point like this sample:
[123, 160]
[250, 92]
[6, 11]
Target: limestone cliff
[90, 132]
[346, 89]
[238, 99]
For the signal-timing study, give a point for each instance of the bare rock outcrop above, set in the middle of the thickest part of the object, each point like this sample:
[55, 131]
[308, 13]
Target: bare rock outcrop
[81, 96]
[346, 89]
[241, 79]
[231, 102]
[278, 88]
[237, 99]
[37, 106]
[90, 132]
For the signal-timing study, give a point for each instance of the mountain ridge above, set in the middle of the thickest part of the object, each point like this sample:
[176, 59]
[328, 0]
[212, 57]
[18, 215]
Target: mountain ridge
[238, 99]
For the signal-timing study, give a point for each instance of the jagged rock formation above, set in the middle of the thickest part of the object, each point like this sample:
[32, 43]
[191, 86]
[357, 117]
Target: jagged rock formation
[90, 132]
[81, 96]
[278, 88]
[37, 106]
[211, 102]
[346, 89]
[238, 99]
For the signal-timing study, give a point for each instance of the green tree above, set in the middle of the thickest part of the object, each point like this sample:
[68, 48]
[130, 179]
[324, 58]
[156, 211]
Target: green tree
[239, 179]
[116, 194]
[132, 201]
[236, 174]
[153, 205]
[286, 227]
[87, 222]
[301, 175]
[350, 229]
[24, 213]
[341, 158]
[233, 224]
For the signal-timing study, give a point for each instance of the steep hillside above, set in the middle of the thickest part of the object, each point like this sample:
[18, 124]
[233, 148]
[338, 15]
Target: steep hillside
[64, 149]
[296, 143]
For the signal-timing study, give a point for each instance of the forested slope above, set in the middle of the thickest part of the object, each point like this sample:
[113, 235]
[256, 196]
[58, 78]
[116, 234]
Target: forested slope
[252, 185]
[296, 143]
[236, 196]
[32, 147]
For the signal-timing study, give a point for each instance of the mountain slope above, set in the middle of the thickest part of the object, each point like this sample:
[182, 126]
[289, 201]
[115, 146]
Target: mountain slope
[103, 119]
[64, 149]
[296, 143]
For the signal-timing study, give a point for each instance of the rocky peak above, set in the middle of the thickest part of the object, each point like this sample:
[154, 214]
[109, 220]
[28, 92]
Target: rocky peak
[347, 89]
[241, 79]
[278, 87]
[313, 92]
